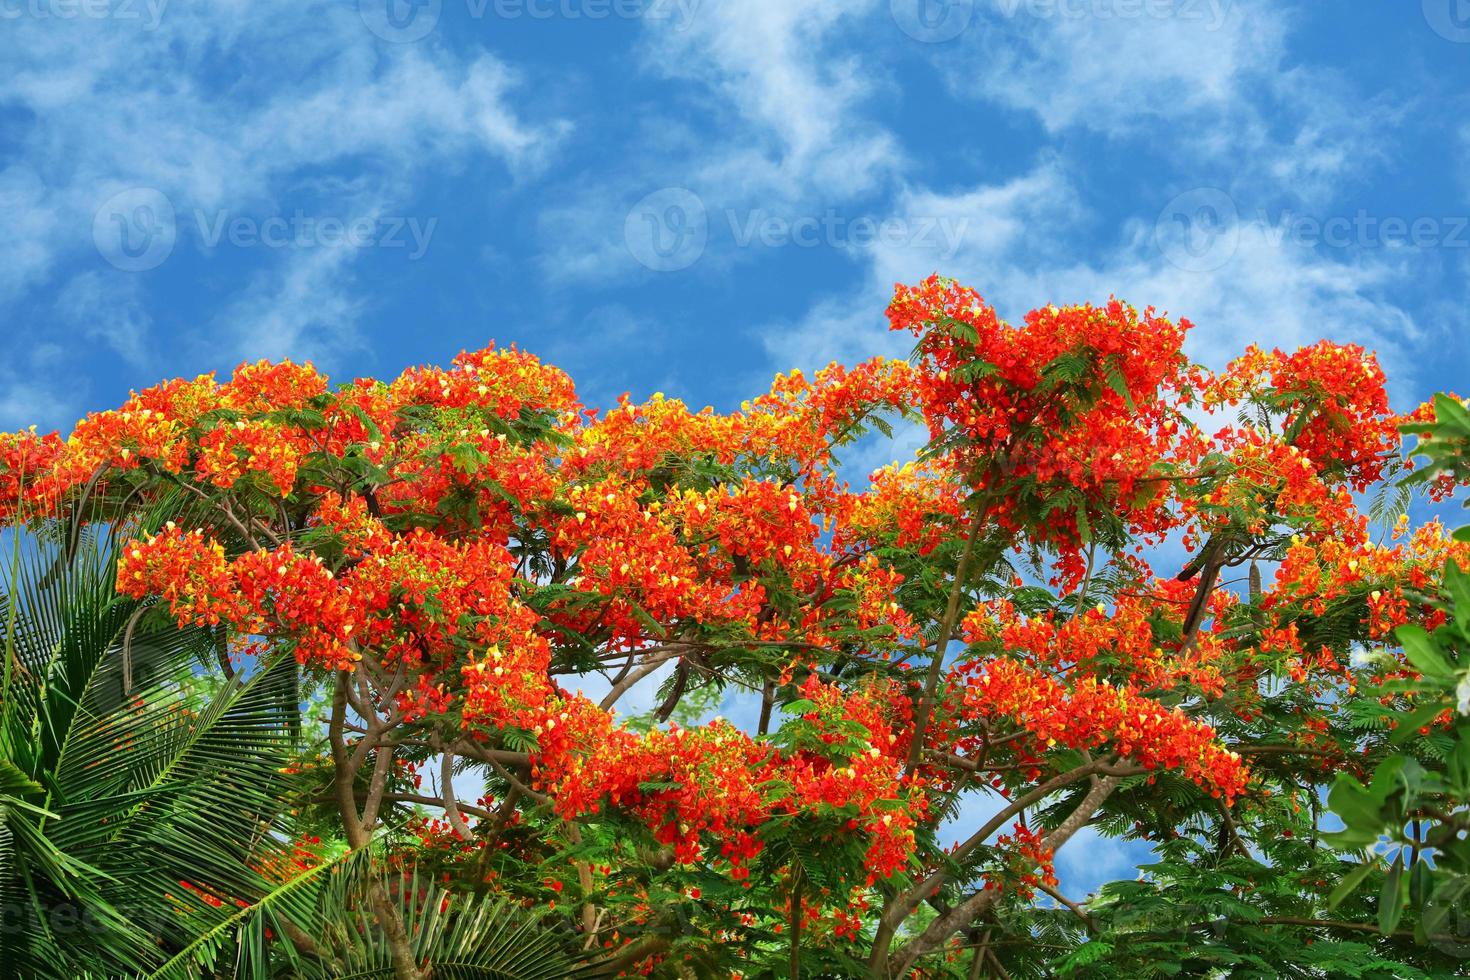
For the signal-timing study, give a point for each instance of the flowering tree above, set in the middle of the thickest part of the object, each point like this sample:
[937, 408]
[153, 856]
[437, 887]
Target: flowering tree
[1416, 805]
[455, 556]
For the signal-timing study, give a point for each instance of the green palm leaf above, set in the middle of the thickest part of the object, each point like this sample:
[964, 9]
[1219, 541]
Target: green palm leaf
[118, 784]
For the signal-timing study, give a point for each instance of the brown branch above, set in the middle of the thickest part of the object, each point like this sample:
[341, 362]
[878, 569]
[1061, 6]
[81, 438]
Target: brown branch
[681, 681]
[505, 757]
[451, 804]
[1076, 909]
[946, 631]
[768, 704]
[902, 906]
[967, 911]
[648, 666]
[518, 785]
[388, 915]
[438, 801]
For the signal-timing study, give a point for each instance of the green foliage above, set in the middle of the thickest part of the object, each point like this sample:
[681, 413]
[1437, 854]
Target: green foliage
[121, 777]
[1416, 804]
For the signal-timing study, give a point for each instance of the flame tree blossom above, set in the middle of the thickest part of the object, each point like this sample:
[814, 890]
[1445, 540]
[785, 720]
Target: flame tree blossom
[455, 556]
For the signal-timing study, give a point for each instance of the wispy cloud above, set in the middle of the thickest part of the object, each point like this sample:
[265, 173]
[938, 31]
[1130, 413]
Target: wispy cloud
[1264, 288]
[789, 128]
[1210, 81]
[108, 308]
[236, 109]
[798, 93]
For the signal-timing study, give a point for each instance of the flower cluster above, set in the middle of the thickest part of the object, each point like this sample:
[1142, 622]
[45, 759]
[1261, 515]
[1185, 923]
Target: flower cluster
[1029, 863]
[1091, 713]
[1080, 399]
[716, 783]
[464, 543]
[1125, 643]
[1334, 403]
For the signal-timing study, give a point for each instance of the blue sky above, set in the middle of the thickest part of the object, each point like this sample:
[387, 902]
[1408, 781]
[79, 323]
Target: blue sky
[690, 195]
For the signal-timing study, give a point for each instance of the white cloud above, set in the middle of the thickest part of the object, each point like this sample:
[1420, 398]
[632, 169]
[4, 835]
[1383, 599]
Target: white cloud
[26, 401]
[238, 108]
[1005, 229]
[787, 131]
[32, 226]
[306, 308]
[777, 64]
[1021, 253]
[1115, 72]
[109, 308]
[1211, 82]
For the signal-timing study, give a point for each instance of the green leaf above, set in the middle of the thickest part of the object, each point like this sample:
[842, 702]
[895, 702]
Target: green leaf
[1421, 883]
[1410, 723]
[1118, 384]
[1357, 806]
[1458, 767]
[646, 618]
[1423, 652]
[1457, 584]
[1395, 773]
[1450, 413]
[1391, 898]
[1350, 882]
[1351, 839]
[14, 782]
[1084, 526]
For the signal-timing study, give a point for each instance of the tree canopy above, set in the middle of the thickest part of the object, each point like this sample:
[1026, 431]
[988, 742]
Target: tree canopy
[453, 558]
